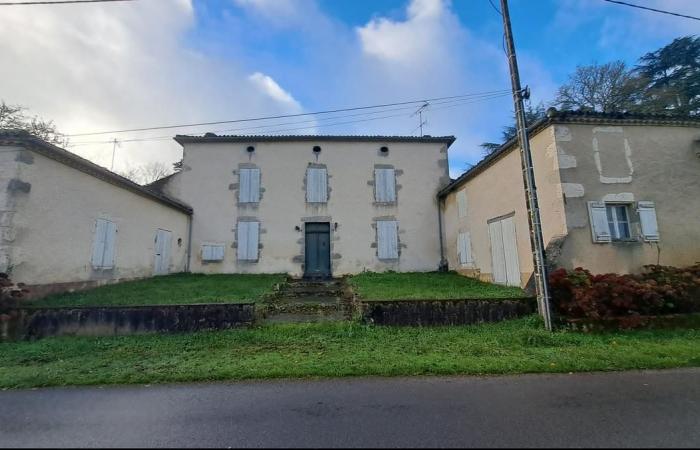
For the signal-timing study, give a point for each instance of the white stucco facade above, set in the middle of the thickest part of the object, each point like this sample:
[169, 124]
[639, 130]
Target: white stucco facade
[50, 209]
[583, 161]
[210, 178]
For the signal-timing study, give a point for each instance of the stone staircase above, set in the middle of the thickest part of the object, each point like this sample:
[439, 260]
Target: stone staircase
[299, 301]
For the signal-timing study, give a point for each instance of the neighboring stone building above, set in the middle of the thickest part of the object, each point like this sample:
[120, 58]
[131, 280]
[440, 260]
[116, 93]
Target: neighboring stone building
[67, 223]
[616, 192]
[312, 205]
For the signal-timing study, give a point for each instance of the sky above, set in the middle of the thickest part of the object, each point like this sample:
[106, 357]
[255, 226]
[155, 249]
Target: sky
[113, 66]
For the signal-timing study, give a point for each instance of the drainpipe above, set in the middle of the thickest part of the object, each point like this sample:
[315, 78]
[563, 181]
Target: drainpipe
[444, 266]
[189, 243]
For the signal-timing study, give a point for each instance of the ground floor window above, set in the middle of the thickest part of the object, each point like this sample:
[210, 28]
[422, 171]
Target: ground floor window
[618, 221]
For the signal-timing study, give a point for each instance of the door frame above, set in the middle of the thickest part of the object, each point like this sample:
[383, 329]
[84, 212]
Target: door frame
[306, 253]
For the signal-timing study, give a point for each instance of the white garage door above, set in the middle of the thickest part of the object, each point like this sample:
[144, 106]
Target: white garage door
[504, 252]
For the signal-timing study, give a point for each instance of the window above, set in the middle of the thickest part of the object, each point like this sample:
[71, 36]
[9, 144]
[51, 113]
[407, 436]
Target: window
[316, 185]
[618, 222]
[212, 252]
[462, 203]
[384, 185]
[247, 234]
[103, 244]
[249, 185]
[387, 239]
[464, 248]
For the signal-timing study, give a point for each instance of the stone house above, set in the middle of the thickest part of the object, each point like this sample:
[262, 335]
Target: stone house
[616, 192]
[66, 223]
[313, 206]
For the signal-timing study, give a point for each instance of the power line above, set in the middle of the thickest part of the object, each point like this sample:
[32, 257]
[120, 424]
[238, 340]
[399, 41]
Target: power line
[284, 116]
[58, 2]
[315, 124]
[652, 9]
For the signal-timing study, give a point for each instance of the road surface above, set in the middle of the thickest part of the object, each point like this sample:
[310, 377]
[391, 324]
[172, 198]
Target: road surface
[633, 409]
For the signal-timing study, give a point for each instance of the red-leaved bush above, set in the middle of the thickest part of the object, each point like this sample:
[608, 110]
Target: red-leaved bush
[657, 290]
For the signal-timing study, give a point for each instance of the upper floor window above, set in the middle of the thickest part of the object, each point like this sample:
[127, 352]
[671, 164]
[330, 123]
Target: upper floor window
[384, 185]
[316, 185]
[249, 185]
[462, 203]
[618, 222]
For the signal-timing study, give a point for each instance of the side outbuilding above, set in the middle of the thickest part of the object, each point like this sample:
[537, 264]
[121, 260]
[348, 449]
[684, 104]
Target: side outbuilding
[67, 223]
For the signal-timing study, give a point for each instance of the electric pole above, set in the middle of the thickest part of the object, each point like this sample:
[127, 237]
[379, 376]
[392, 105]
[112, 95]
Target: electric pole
[533, 210]
[115, 143]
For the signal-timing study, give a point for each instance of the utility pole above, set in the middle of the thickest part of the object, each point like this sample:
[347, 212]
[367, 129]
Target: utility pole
[533, 210]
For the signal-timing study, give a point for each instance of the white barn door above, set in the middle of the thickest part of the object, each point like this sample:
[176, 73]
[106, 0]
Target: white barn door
[504, 252]
[163, 243]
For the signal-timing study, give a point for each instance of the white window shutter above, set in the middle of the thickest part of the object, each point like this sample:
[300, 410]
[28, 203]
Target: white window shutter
[384, 185]
[600, 229]
[647, 219]
[464, 248]
[316, 185]
[110, 237]
[249, 185]
[462, 203]
[212, 252]
[98, 245]
[387, 239]
[248, 233]
[253, 233]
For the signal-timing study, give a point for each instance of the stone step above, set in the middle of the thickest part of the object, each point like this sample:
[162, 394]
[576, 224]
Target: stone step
[304, 317]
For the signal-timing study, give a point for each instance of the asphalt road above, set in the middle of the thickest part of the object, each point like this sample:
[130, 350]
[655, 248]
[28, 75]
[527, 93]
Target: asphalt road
[634, 409]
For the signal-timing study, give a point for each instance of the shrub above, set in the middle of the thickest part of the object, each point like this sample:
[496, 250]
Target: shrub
[657, 290]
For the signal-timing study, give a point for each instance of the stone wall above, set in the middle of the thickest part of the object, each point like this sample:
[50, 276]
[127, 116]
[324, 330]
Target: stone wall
[445, 312]
[34, 323]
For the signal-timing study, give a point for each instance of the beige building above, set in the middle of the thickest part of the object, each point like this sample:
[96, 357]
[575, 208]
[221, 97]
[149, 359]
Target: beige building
[312, 205]
[615, 191]
[67, 223]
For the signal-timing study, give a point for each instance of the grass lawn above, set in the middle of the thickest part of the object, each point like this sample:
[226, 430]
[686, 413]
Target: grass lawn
[171, 289]
[339, 349]
[427, 285]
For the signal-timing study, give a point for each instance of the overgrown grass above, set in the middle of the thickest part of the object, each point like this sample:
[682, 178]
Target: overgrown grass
[426, 285]
[171, 289]
[337, 350]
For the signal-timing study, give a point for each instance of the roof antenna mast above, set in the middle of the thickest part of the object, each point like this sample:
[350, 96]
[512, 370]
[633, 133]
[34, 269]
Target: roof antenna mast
[537, 243]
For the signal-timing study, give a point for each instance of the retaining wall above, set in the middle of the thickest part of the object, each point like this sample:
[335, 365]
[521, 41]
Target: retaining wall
[33, 323]
[445, 312]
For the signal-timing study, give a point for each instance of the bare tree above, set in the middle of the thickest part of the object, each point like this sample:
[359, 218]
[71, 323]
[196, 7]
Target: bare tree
[13, 116]
[609, 87]
[147, 173]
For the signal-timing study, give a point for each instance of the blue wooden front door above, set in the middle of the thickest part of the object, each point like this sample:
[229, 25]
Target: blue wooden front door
[317, 250]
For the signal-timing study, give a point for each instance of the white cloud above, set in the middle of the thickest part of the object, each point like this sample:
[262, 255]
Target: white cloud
[269, 87]
[123, 65]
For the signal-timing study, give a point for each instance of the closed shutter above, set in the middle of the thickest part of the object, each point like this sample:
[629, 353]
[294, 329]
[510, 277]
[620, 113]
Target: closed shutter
[464, 247]
[249, 186]
[498, 260]
[316, 185]
[103, 244]
[212, 252]
[600, 229]
[510, 252]
[384, 185]
[388, 239]
[248, 233]
[462, 203]
[110, 237]
[98, 245]
[647, 219]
